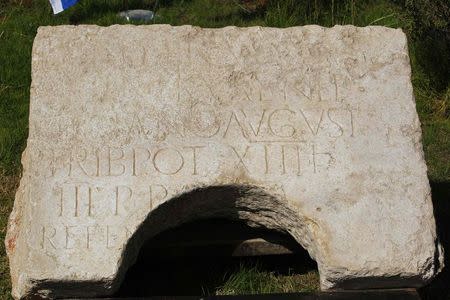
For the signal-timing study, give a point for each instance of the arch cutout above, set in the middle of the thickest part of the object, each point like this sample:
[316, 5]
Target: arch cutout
[251, 205]
[216, 257]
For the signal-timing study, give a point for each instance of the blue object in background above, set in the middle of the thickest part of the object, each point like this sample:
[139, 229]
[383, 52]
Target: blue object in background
[60, 5]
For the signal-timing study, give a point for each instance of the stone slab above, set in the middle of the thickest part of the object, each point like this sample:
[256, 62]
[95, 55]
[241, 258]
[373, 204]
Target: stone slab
[133, 130]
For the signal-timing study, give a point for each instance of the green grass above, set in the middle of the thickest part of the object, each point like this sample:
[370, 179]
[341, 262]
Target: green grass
[428, 45]
[251, 279]
[7, 187]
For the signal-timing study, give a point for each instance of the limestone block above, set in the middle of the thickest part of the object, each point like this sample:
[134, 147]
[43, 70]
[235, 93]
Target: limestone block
[307, 130]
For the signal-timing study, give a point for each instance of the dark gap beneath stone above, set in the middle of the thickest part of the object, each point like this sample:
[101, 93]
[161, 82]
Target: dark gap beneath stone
[198, 257]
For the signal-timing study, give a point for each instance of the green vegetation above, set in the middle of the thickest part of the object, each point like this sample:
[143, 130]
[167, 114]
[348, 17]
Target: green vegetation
[426, 23]
[250, 279]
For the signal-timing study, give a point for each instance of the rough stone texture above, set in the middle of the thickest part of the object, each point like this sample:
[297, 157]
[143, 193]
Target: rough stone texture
[306, 130]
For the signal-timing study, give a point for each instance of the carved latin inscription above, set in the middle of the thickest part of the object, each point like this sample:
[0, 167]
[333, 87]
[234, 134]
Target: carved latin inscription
[271, 142]
[256, 125]
[281, 142]
[256, 158]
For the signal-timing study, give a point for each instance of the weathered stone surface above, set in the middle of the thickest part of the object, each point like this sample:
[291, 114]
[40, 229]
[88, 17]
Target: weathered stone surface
[306, 130]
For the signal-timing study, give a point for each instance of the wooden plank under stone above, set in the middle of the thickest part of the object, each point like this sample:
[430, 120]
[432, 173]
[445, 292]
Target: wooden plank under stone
[382, 294]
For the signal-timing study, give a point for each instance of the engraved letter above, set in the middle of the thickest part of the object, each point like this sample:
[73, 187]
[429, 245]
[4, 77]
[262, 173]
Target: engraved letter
[88, 236]
[48, 238]
[205, 121]
[129, 194]
[194, 157]
[339, 126]
[59, 191]
[266, 158]
[77, 200]
[135, 162]
[257, 130]
[156, 196]
[315, 155]
[314, 131]
[78, 160]
[110, 237]
[233, 115]
[68, 237]
[283, 130]
[167, 167]
[90, 198]
[111, 160]
[241, 158]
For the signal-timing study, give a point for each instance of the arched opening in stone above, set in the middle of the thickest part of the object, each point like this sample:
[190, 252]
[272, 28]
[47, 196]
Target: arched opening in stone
[192, 244]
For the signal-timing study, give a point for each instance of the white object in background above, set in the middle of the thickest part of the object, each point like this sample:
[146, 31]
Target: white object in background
[137, 15]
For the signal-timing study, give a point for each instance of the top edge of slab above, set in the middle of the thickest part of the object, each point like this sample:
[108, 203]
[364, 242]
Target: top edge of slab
[230, 27]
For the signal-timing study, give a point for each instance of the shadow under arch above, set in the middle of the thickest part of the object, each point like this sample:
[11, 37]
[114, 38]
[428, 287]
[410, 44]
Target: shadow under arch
[249, 204]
